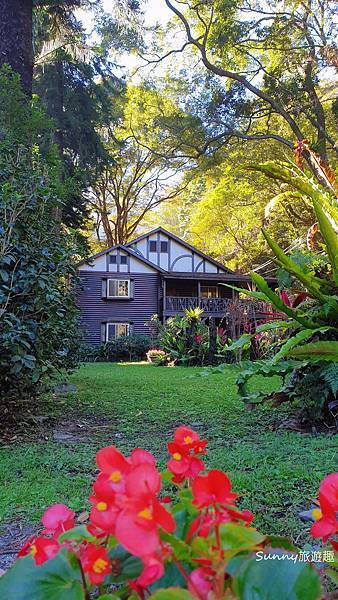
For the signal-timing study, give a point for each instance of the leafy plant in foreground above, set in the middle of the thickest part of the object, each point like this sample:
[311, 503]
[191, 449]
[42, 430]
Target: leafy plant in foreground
[311, 322]
[194, 544]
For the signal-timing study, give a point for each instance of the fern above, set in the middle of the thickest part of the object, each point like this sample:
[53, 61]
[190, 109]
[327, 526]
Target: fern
[330, 376]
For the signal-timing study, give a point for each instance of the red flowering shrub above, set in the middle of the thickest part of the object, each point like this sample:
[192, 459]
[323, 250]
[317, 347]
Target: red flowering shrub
[141, 544]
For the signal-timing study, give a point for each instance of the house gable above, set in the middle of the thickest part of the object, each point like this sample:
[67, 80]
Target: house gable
[118, 259]
[169, 252]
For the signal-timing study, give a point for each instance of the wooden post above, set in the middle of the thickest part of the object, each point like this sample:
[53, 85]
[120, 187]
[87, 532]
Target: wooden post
[164, 300]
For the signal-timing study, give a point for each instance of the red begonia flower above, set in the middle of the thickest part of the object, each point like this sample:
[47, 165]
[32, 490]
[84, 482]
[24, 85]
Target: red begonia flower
[153, 570]
[327, 522]
[186, 436]
[44, 549]
[26, 548]
[324, 527]
[140, 457]
[143, 480]
[103, 514]
[105, 488]
[112, 463]
[213, 488]
[137, 525]
[201, 581]
[95, 563]
[58, 518]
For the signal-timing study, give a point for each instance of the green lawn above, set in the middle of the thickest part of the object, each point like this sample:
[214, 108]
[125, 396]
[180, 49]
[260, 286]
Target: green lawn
[276, 472]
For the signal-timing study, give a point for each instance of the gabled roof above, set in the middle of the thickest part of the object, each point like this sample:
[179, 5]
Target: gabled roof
[126, 249]
[183, 243]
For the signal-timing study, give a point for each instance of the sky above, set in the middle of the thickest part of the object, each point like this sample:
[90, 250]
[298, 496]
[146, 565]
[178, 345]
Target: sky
[155, 11]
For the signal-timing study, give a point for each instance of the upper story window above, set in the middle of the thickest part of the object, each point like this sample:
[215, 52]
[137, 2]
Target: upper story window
[152, 246]
[118, 288]
[113, 259]
[209, 291]
[123, 259]
[164, 247]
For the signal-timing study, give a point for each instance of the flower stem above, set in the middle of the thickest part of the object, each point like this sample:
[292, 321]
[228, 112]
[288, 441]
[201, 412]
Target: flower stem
[83, 578]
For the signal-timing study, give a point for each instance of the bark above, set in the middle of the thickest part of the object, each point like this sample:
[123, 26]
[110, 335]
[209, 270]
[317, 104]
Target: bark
[16, 48]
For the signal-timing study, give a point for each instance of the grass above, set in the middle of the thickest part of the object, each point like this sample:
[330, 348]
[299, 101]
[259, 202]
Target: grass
[276, 472]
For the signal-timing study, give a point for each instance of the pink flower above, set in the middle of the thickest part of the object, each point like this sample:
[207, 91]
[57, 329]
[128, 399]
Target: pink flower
[57, 519]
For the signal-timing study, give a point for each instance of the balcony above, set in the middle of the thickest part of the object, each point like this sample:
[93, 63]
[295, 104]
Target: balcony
[210, 306]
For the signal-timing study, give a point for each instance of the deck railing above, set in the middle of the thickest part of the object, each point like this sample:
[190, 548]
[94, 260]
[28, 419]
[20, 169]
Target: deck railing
[178, 304]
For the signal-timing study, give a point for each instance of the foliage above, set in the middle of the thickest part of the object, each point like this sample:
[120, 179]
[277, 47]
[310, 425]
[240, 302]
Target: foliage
[185, 339]
[312, 324]
[193, 543]
[39, 320]
[287, 52]
[126, 347]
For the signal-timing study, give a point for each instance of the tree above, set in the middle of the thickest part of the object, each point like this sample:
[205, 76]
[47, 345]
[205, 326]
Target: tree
[139, 178]
[276, 55]
[16, 48]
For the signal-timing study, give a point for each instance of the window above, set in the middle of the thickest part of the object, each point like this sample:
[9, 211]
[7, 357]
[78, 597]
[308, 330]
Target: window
[152, 246]
[123, 259]
[164, 247]
[116, 330]
[112, 259]
[118, 288]
[209, 291]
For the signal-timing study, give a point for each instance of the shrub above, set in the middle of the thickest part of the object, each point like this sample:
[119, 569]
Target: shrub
[129, 347]
[194, 544]
[39, 320]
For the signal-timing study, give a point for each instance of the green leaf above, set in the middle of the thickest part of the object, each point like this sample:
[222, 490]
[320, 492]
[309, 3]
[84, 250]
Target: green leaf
[295, 340]
[312, 284]
[237, 538]
[272, 579]
[243, 341]
[56, 579]
[77, 534]
[277, 325]
[279, 304]
[109, 597]
[172, 594]
[330, 237]
[181, 550]
[325, 350]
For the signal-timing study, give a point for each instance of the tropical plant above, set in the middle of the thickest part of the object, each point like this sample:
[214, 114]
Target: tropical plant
[310, 320]
[195, 543]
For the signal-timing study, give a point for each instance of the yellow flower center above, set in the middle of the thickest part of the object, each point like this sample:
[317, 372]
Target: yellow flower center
[317, 514]
[177, 456]
[101, 506]
[99, 565]
[115, 477]
[33, 550]
[188, 439]
[145, 514]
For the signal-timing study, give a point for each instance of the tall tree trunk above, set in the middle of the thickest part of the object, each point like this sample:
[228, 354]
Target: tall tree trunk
[16, 47]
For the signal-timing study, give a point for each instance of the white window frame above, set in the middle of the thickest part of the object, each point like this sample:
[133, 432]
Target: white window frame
[116, 323]
[118, 280]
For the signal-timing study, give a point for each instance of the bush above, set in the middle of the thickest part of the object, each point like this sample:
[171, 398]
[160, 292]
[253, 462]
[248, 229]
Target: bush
[39, 320]
[194, 544]
[129, 347]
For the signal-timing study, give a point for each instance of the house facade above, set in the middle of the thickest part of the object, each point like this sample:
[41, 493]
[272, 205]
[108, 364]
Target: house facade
[156, 273]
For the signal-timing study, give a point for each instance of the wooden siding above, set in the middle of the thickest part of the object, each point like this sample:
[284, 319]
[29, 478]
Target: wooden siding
[96, 310]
